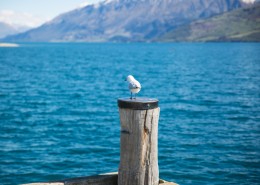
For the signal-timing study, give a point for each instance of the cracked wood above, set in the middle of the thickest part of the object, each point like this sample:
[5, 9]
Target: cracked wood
[139, 148]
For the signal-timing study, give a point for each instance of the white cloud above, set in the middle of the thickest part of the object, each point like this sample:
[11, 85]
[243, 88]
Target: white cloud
[20, 18]
[91, 2]
[248, 1]
[85, 4]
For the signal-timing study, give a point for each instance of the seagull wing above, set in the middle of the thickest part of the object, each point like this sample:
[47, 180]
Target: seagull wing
[134, 85]
[138, 85]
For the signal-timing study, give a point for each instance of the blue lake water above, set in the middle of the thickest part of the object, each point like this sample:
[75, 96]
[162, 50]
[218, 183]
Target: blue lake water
[59, 115]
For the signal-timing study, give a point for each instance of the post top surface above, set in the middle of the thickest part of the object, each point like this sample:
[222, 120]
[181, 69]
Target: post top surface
[138, 103]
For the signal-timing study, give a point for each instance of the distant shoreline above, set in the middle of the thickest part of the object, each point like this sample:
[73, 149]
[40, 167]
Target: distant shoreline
[9, 45]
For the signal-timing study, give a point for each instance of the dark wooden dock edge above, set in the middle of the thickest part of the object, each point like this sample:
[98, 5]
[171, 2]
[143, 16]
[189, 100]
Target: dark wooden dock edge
[102, 179]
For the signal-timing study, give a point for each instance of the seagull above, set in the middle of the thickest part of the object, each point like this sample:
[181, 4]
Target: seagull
[134, 86]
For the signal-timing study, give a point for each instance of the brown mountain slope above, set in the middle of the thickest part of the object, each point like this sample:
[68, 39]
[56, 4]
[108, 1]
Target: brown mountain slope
[238, 25]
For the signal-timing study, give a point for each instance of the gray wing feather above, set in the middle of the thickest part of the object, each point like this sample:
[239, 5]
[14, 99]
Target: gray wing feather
[132, 85]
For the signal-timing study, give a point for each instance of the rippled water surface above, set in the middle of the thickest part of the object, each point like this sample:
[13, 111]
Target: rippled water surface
[59, 115]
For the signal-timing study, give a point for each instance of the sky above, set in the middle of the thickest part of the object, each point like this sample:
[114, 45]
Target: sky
[33, 13]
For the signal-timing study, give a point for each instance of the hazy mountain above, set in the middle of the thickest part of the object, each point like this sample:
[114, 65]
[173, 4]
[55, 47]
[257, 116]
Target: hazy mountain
[238, 25]
[126, 20]
[7, 29]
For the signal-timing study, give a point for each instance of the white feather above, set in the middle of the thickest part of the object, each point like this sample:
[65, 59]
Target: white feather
[134, 86]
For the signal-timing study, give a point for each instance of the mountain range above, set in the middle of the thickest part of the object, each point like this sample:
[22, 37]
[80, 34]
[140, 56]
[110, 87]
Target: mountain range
[242, 25]
[128, 20]
[7, 29]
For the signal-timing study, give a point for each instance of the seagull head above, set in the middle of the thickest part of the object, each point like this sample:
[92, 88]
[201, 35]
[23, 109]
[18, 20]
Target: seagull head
[129, 78]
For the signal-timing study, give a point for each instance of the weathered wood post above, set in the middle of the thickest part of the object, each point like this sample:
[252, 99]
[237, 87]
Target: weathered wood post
[139, 141]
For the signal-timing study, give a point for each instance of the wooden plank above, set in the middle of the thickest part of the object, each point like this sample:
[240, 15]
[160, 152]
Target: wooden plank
[103, 179]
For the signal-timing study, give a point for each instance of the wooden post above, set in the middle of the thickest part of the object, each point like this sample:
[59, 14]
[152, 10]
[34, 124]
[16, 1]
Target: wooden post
[139, 141]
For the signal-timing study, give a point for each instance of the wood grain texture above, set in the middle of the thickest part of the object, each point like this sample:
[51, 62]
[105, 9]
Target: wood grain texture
[139, 147]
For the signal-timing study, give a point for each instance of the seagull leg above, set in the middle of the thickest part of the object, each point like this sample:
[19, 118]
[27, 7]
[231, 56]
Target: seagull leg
[131, 96]
[135, 95]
